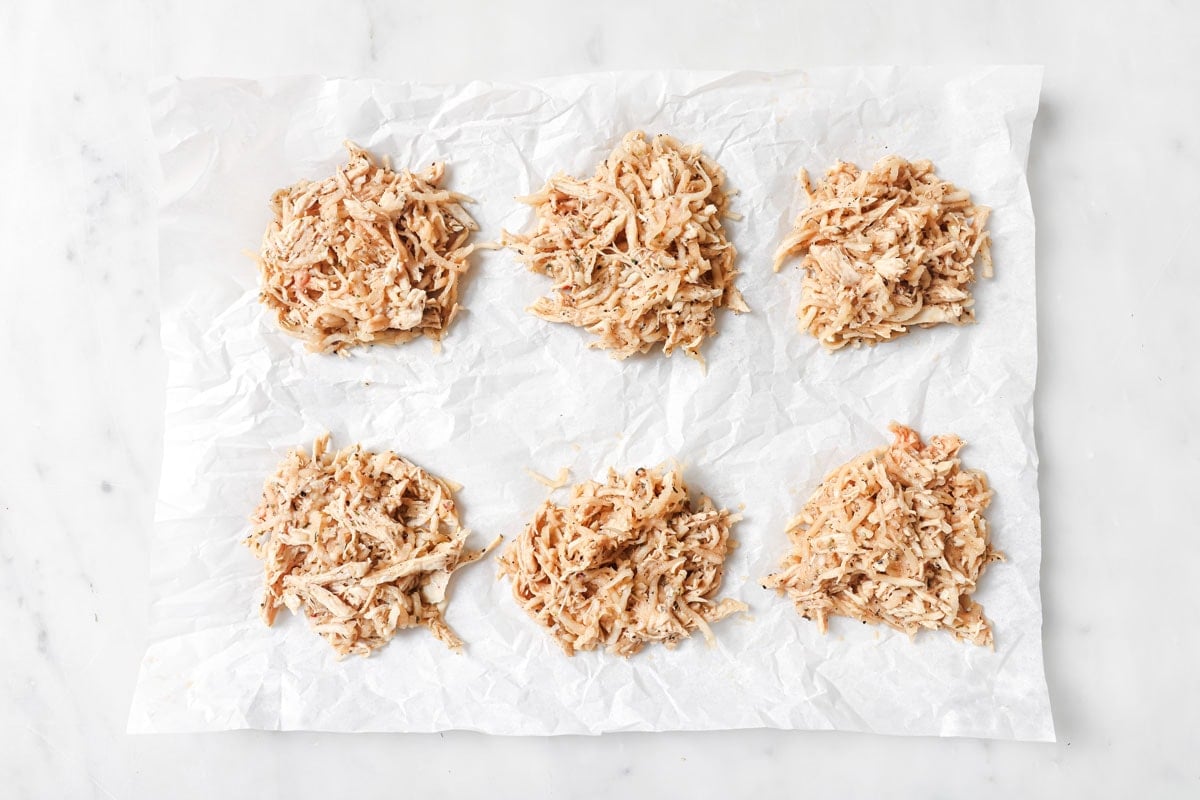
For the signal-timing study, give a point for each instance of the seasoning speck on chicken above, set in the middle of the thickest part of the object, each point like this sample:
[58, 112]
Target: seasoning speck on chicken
[364, 543]
[885, 250]
[368, 256]
[895, 536]
[637, 252]
[623, 563]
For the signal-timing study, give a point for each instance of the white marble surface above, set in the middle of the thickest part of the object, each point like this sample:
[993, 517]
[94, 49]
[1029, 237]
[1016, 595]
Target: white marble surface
[1115, 155]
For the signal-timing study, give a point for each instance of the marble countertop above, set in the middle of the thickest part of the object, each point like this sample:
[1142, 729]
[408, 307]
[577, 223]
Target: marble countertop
[1115, 153]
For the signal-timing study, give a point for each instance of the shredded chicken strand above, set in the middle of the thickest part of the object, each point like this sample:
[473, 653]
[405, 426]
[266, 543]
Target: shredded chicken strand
[638, 253]
[557, 482]
[885, 250]
[362, 543]
[623, 563]
[367, 256]
[896, 536]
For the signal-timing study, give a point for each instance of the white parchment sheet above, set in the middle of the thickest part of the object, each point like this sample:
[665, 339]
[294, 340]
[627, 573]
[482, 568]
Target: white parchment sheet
[508, 391]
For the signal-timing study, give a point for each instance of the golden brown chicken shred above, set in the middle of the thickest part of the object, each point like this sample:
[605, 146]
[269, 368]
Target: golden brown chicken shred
[895, 536]
[363, 543]
[885, 250]
[637, 252]
[368, 256]
[623, 563]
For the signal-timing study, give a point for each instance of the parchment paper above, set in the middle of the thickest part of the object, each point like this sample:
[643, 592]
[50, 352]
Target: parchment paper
[760, 429]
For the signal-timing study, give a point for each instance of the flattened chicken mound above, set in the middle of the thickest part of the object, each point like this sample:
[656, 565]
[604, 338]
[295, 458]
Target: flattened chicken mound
[363, 543]
[368, 256]
[637, 252]
[623, 563]
[895, 536]
[885, 250]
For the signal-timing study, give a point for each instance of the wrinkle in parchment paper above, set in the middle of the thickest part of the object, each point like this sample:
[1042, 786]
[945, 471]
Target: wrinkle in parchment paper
[508, 392]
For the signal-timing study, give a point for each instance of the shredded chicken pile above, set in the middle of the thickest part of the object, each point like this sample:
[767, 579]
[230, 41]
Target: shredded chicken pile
[364, 543]
[637, 252]
[885, 250]
[895, 536]
[623, 563]
[366, 256]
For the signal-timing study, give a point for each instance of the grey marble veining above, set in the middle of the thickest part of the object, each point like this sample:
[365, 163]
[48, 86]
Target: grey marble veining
[1115, 152]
